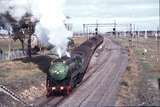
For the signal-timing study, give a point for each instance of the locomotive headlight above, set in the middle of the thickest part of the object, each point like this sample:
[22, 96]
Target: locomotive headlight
[61, 87]
[53, 88]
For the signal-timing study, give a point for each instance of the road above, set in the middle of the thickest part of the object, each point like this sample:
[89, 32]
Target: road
[100, 85]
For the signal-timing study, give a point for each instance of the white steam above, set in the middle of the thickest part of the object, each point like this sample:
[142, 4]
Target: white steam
[17, 8]
[51, 28]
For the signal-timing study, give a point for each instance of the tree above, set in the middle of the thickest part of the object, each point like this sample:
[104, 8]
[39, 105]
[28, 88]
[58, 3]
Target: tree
[22, 29]
[15, 32]
[28, 28]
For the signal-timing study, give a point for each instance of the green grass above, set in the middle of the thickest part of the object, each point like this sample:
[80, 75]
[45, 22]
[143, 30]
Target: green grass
[138, 52]
[147, 67]
[142, 59]
[146, 62]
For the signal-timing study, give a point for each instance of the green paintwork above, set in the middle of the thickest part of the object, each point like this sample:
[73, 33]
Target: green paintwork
[58, 71]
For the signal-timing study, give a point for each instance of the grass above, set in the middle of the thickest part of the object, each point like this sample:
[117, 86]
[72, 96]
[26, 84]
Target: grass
[147, 61]
[22, 74]
[79, 40]
[4, 44]
[10, 71]
[146, 72]
[21, 68]
[138, 51]
[3, 74]
[128, 68]
[146, 66]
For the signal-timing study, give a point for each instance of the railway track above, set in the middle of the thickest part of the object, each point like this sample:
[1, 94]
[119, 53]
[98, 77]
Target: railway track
[100, 90]
[109, 67]
[55, 101]
[92, 71]
[12, 95]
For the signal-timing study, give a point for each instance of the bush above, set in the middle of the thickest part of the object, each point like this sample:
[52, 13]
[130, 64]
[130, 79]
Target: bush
[128, 68]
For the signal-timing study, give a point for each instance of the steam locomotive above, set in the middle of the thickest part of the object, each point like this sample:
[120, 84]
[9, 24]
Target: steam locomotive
[65, 73]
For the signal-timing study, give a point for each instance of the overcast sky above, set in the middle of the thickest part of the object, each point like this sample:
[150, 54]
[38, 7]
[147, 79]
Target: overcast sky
[142, 13]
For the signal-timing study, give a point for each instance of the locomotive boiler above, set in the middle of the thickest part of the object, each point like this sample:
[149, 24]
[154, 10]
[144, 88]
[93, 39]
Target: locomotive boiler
[65, 73]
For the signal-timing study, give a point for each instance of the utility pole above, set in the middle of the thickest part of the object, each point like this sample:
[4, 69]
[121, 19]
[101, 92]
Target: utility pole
[87, 32]
[114, 29]
[134, 29]
[84, 28]
[130, 38]
[158, 36]
[96, 29]
[138, 36]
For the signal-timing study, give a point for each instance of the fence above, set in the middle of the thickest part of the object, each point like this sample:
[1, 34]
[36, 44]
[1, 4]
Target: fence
[12, 55]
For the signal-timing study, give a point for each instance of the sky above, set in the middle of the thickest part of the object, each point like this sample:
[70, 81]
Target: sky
[143, 13]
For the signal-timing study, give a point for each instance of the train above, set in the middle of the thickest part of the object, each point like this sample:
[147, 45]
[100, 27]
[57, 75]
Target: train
[66, 73]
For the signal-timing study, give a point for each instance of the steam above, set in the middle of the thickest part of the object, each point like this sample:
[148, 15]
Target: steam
[50, 28]
[17, 8]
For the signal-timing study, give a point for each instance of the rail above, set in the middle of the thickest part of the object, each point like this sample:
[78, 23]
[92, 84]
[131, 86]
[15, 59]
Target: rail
[11, 94]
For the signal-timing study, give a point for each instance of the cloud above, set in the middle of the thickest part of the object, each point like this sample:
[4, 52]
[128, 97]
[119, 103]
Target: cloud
[111, 8]
[133, 10]
[109, 2]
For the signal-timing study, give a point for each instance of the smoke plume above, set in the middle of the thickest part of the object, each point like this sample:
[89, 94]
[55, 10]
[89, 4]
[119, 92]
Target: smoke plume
[16, 8]
[50, 29]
